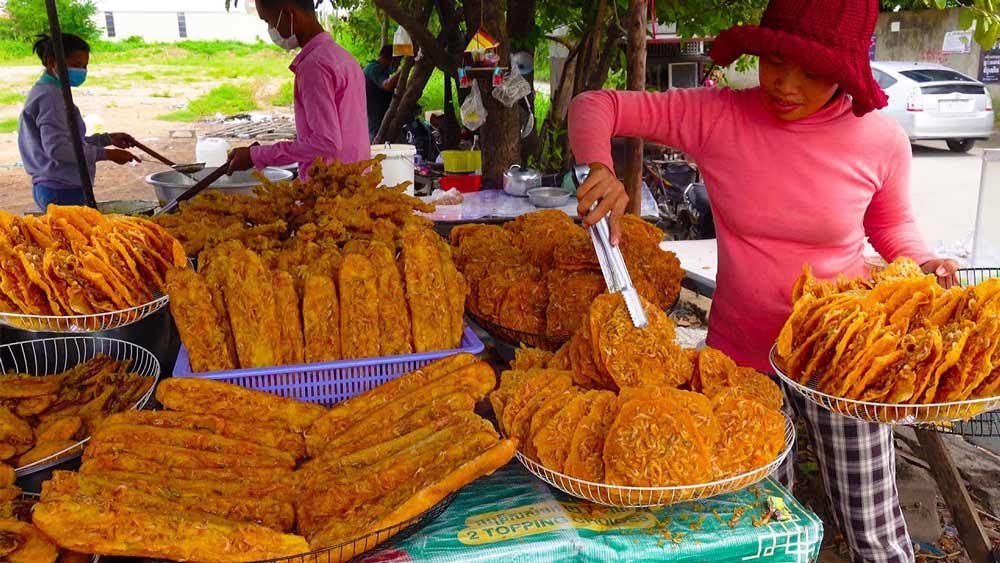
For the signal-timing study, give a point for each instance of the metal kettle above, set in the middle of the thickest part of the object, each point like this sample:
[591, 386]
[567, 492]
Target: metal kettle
[517, 181]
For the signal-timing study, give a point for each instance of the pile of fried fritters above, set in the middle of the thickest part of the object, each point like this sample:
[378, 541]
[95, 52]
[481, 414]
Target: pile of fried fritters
[241, 310]
[899, 339]
[75, 261]
[44, 415]
[217, 478]
[539, 273]
[675, 417]
[20, 541]
[339, 203]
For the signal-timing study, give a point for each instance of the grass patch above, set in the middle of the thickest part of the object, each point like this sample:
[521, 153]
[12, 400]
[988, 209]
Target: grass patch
[285, 95]
[163, 94]
[227, 99]
[8, 125]
[10, 98]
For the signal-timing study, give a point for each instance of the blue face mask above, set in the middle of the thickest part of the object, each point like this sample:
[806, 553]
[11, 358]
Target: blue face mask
[77, 76]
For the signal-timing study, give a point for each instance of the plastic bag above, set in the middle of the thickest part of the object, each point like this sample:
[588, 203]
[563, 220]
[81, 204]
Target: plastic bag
[402, 46]
[473, 109]
[513, 88]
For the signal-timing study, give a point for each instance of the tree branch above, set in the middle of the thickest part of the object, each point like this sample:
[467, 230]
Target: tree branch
[420, 35]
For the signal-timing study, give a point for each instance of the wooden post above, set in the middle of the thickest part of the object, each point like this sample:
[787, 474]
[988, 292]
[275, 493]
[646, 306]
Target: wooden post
[636, 57]
[956, 496]
[75, 134]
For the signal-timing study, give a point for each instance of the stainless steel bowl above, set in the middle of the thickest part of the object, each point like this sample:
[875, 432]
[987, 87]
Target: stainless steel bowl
[548, 197]
[127, 207]
[169, 184]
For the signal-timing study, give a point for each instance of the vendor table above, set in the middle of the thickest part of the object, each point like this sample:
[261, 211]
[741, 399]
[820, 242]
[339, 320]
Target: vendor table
[511, 516]
[700, 260]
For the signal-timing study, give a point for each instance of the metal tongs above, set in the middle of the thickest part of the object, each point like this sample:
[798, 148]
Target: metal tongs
[612, 262]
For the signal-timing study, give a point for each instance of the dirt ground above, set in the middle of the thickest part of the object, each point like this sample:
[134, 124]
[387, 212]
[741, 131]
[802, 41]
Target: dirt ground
[132, 110]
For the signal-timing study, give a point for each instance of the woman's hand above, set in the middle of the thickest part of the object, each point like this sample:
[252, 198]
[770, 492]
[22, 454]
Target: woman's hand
[602, 186]
[122, 140]
[120, 157]
[944, 269]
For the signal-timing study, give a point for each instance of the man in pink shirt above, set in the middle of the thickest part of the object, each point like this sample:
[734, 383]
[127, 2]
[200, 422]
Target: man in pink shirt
[330, 109]
[799, 171]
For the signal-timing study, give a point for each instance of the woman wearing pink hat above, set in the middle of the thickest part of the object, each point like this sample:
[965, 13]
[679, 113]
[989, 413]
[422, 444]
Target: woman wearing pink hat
[800, 171]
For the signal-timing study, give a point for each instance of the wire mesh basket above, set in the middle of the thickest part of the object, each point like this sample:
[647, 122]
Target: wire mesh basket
[972, 276]
[887, 413]
[55, 355]
[383, 539]
[515, 337]
[638, 497]
[96, 322]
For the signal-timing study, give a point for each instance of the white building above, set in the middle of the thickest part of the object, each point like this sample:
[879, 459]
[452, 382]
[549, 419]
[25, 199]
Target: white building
[176, 20]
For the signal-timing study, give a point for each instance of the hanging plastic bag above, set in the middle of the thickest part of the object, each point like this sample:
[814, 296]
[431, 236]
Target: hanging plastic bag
[513, 88]
[473, 109]
[402, 46]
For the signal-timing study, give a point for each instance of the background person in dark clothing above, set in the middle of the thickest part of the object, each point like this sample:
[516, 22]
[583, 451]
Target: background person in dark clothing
[380, 82]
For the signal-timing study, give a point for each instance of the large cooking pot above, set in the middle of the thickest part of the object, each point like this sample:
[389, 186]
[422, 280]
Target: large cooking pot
[169, 184]
[517, 181]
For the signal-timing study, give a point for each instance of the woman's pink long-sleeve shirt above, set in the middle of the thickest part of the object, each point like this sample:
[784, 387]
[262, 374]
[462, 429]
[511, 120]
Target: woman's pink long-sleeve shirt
[330, 110]
[783, 194]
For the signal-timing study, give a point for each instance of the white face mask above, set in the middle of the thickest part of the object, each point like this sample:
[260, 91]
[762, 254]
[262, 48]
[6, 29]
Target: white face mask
[286, 43]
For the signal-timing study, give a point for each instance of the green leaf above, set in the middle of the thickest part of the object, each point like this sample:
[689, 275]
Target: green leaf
[941, 4]
[966, 18]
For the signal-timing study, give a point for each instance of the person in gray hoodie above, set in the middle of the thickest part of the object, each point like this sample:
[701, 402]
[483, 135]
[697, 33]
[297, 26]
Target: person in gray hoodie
[43, 136]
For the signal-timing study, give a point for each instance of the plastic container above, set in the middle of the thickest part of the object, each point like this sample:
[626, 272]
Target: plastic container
[465, 184]
[398, 166]
[329, 382]
[462, 162]
[214, 152]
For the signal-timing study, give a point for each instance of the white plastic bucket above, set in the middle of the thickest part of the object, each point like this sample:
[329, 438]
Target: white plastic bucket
[398, 166]
[212, 151]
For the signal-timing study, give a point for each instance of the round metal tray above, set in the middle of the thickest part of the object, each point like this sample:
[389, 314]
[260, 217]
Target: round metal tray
[638, 497]
[382, 539]
[887, 413]
[56, 355]
[83, 323]
[515, 337]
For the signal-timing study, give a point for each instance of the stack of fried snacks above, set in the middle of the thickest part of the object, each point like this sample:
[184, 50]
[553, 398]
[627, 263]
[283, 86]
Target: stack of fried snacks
[41, 416]
[75, 261]
[22, 542]
[901, 339]
[239, 312]
[539, 273]
[726, 422]
[208, 480]
[339, 203]
[392, 453]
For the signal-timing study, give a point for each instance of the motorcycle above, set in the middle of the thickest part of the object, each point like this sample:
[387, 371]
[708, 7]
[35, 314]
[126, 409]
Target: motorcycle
[682, 200]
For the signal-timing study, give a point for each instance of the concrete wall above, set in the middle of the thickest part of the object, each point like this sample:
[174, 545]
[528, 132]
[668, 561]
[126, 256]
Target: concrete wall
[920, 37]
[154, 20]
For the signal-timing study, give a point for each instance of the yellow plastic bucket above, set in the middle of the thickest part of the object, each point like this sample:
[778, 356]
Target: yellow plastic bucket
[462, 162]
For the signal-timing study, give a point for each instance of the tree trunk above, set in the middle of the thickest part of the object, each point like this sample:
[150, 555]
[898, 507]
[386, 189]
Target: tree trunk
[397, 95]
[636, 81]
[500, 135]
[392, 125]
[384, 36]
[521, 28]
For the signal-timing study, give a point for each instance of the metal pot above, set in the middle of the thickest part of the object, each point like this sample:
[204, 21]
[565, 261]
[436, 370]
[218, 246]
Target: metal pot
[517, 181]
[169, 184]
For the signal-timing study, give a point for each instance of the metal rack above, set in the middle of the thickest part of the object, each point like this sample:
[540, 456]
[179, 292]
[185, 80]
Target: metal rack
[96, 322]
[637, 497]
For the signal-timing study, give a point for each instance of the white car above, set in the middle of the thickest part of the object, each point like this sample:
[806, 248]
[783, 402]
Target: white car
[934, 102]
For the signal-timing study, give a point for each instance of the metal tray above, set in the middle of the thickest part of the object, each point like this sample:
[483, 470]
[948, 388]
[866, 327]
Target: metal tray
[55, 355]
[638, 497]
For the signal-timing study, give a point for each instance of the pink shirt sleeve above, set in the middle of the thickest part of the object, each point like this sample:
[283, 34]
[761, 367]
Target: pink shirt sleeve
[315, 92]
[889, 221]
[683, 119]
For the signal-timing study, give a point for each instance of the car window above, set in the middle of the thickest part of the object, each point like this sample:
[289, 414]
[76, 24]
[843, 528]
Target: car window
[935, 75]
[883, 79]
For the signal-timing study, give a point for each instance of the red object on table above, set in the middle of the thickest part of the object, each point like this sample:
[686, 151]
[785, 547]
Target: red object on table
[465, 184]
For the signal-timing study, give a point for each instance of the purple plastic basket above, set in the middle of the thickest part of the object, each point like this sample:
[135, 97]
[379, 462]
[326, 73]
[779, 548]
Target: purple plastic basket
[330, 382]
